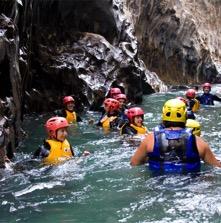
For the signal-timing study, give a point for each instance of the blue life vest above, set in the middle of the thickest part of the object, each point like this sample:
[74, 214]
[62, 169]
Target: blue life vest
[206, 99]
[174, 151]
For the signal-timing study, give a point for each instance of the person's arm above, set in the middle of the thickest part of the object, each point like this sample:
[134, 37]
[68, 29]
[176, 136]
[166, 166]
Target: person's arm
[140, 155]
[42, 151]
[216, 98]
[99, 121]
[206, 153]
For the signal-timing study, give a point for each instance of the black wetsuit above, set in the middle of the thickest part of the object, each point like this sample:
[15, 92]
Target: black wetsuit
[208, 99]
[62, 113]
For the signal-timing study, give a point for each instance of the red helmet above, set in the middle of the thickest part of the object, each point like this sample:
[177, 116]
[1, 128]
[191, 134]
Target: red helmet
[191, 93]
[132, 112]
[67, 99]
[207, 85]
[121, 96]
[55, 123]
[112, 104]
[182, 99]
[114, 91]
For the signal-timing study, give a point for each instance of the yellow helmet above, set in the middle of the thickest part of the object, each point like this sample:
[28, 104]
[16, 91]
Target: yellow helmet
[174, 110]
[195, 125]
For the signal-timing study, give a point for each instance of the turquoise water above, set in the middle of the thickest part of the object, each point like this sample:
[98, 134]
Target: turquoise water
[103, 187]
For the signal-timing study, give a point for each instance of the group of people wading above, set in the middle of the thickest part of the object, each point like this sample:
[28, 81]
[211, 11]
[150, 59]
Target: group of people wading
[174, 145]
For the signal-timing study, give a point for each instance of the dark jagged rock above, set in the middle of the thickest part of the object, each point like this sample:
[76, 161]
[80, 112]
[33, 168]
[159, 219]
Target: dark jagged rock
[75, 51]
[11, 88]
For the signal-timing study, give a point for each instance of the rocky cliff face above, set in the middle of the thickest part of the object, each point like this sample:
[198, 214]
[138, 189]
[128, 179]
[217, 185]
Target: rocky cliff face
[80, 48]
[179, 40]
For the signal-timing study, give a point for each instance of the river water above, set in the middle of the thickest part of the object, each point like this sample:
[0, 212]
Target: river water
[103, 187]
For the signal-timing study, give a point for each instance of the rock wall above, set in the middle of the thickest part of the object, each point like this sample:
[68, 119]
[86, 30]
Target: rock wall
[10, 86]
[49, 49]
[179, 40]
[78, 48]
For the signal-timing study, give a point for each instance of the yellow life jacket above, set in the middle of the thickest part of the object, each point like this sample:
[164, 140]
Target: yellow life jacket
[196, 105]
[140, 130]
[59, 151]
[71, 117]
[105, 121]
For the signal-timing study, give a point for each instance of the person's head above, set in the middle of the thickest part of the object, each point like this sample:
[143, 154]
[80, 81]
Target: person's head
[194, 125]
[174, 113]
[190, 93]
[122, 98]
[69, 103]
[207, 88]
[114, 92]
[56, 128]
[136, 116]
[111, 105]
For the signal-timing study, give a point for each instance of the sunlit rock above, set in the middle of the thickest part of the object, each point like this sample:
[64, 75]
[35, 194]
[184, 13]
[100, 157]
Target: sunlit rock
[179, 40]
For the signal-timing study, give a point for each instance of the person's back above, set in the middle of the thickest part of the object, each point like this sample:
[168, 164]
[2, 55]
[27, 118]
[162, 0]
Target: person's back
[174, 151]
[174, 148]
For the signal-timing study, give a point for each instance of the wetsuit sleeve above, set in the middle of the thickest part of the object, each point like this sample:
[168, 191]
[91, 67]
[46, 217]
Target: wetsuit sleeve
[216, 98]
[78, 118]
[42, 151]
[99, 121]
[126, 129]
[198, 98]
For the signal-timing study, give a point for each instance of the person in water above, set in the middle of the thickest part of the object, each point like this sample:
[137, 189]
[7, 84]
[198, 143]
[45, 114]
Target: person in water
[69, 110]
[192, 103]
[135, 125]
[207, 98]
[174, 148]
[56, 148]
[111, 119]
[113, 92]
[122, 98]
[190, 113]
